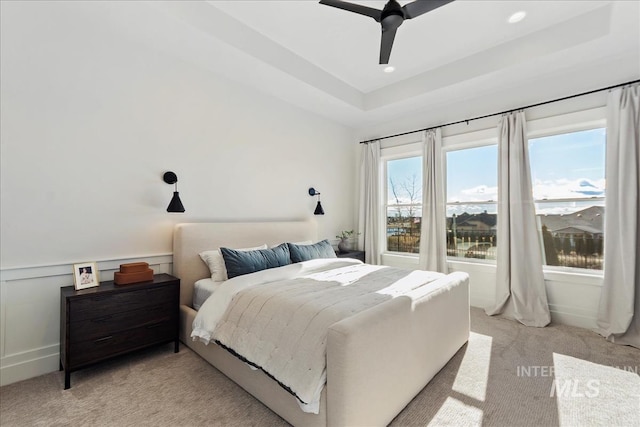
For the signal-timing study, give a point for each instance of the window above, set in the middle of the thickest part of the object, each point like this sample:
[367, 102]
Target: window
[567, 160]
[472, 191]
[403, 204]
[567, 176]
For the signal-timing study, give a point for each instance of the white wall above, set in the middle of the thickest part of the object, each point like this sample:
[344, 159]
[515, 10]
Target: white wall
[90, 122]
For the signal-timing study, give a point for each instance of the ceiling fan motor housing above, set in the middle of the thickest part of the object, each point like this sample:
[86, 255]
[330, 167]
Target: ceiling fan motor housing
[392, 15]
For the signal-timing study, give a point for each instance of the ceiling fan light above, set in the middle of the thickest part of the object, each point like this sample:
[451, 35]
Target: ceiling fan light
[517, 17]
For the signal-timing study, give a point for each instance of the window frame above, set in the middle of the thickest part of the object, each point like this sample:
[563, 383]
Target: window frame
[558, 125]
[398, 152]
[467, 141]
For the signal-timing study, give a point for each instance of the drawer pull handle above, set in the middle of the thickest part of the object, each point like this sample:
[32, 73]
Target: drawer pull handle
[155, 325]
[103, 339]
[101, 319]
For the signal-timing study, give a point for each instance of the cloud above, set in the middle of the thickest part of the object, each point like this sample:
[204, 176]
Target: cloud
[549, 189]
[480, 193]
[568, 189]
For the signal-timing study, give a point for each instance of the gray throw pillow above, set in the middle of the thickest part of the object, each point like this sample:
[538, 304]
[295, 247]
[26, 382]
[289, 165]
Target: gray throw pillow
[301, 253]
[239, 263]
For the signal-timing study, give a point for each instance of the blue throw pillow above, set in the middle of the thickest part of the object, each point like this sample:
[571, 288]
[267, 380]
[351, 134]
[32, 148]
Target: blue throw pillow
[301, 253]
[245, 262]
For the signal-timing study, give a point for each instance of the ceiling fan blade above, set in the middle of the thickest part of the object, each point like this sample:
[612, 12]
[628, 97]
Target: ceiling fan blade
[419, 7]
[356, 8]
[386, 44]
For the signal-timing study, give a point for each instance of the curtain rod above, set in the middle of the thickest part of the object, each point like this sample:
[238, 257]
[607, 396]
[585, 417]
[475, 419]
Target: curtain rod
[503, 112]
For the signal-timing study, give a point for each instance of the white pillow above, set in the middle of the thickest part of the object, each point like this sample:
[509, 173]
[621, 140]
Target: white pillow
[215, 262]
[306, 242]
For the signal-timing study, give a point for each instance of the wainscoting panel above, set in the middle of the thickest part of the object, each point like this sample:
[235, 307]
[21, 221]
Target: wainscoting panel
[573, 296]
[30, 313]
[482, 281]
[574, 303]
[30, 306]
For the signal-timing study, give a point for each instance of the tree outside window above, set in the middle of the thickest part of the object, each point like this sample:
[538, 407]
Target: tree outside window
[404, 204]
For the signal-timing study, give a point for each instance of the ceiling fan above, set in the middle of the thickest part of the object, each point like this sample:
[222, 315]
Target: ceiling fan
[390, 17]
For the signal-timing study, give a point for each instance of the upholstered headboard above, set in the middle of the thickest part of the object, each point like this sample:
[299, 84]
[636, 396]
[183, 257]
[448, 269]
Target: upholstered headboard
[190, 239]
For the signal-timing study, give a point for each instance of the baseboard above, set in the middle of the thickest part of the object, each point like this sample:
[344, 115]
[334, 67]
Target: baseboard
[560, 314]
[30, 364]
[572, 316]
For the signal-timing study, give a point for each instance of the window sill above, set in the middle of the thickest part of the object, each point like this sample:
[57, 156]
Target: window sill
[586, 277]
[471, 261]
[401, 255]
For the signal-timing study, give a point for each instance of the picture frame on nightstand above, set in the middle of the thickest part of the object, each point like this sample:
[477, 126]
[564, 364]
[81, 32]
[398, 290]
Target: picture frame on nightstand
[85, 275]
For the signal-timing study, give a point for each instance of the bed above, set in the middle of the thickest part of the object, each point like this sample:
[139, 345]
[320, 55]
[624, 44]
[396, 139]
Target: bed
[377, 360]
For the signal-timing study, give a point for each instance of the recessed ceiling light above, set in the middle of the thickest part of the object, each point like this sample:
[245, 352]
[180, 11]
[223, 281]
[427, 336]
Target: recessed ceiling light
[389, 69]
[517, 17]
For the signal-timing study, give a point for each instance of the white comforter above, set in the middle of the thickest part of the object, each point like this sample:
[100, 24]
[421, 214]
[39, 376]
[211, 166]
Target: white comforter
[277, 319]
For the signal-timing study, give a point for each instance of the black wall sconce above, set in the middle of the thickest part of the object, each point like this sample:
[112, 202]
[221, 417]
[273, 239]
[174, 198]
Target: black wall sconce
[175, 205]
[319, 210]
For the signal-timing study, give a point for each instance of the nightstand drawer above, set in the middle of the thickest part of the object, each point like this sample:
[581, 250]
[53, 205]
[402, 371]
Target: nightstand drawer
[107, 304]
[97, 327]
[110, 320]
[121, 342]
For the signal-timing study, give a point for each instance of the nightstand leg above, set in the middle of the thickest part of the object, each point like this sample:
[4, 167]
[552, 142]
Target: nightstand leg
[176, 347]
[60, 368]
[67, 380]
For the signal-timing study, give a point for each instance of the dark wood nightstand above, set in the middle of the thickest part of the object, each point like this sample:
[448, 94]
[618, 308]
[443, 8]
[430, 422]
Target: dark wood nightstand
[351, 254]
[109, 320]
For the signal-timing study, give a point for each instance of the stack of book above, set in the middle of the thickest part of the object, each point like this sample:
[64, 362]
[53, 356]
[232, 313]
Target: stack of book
[134, 272]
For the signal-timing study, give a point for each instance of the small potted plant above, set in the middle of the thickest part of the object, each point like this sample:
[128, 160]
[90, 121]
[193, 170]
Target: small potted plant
[344, 245]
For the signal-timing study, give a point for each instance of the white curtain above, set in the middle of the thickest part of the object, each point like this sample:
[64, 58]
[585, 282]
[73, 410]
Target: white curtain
[520, 287]
[619, 311]
[370, 206]
[433, 233]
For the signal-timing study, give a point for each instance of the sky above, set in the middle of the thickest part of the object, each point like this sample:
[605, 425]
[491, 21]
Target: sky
[563, 166]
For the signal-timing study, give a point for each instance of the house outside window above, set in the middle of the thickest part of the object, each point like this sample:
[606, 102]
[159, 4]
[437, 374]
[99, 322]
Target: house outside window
[472, 190]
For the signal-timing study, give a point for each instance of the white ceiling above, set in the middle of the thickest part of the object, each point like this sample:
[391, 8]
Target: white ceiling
[458, 61]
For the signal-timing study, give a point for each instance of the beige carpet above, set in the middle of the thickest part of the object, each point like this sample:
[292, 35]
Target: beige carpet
[502, 377]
